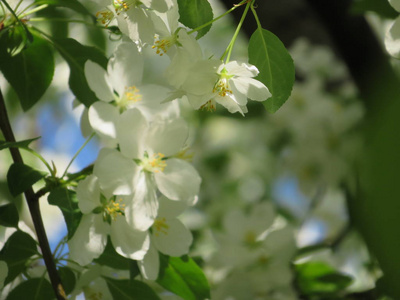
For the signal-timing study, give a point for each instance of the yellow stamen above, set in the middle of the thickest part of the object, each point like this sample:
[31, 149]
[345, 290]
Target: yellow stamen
[132, 94]
[222, 87]
[163, 45]
[155, 163]
[114, 208]
[160, 226]
[105, 17]
[209, 106]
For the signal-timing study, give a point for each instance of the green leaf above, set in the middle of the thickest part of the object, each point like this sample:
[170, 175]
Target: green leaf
[21, 177]
[16, 251]
[194, 13]
[21, 144]
[32, 289]
[72, 4]
[30, 72]
[382, 8]
[67, 278]
[275, 64]
[112, 259]
[130, 290]
[76, 56]
[320, 278]
[9, 215]
[68, 203]
[182, 276]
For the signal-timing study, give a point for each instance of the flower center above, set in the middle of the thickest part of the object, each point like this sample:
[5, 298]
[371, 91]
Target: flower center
[222, 87]
[210, 106]
[131, 95]
[164, 44]
[160, 226]
[113, 209]
[93, 295]
[105, 17]
[154, 164]
[124, 5]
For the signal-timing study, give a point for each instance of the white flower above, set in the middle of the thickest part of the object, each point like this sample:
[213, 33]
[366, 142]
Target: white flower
[234, 85]
[169, 236]
[103, 216]
[145, 164]
[122, 83]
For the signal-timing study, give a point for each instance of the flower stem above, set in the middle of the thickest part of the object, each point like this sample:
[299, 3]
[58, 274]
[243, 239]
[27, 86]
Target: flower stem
[77, 153]
[217, 18]
[34, 208]
[228, 50]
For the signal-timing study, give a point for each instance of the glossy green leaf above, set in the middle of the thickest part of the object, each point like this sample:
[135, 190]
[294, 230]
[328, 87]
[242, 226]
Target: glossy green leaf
[382, 8]
[67, 201]
[182, 276]
[67, 278]
[21, 144]
[21, 177]
[194, 13]
[320, 278]
[275, 65]
[130, 290]
[9, 215]
[32, 289]
[76, 55]
[16, 251]
[30, 72]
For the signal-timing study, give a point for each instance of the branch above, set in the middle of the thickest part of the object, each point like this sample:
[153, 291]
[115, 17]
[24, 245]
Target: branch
[34, 208]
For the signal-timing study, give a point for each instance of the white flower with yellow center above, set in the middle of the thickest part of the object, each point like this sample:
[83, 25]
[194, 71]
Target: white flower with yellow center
[168, 235]
[145, 165]
[235, 84]
[120, 88]
[103, 215]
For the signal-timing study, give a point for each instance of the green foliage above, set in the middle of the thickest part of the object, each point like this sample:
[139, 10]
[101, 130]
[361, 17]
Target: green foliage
[194, 13]
[76, 55]
[275, 64]
[9, 215]
[382, 8]
[29, 70]
[182, 276]
[32, 289]
[130, 290]
[318, 278]
[71, 4]
[112, 259]
[21, 144]
[68, 203]
[67, 278]
[21, 177]
[16, 251]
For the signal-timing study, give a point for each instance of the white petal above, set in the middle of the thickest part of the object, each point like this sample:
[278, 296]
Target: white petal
[392, 39]
[127, 241]
[230, 103]
[170, 208]
[97, 79]
[252, 88]
[173, 241]
[88, 194]
[395, 4]
[131, 129]
[115, 172]
[150, 264]
[141, 210]
[167, 137]
[140, 26]
[125, 67]
[158, 5]
[245, 70]
[201, 78]
[179, 180]
[103, 118]
[89, 240]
